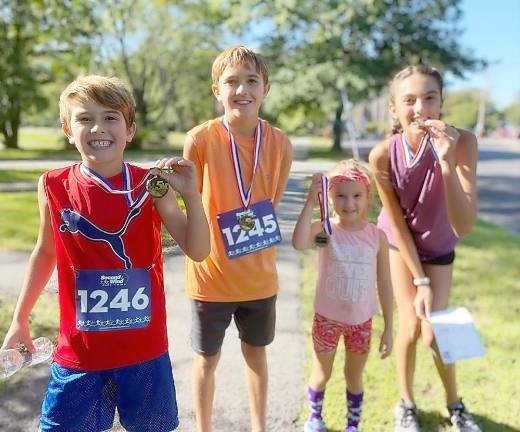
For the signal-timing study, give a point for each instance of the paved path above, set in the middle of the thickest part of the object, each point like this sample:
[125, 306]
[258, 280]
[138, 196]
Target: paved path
[498, 180]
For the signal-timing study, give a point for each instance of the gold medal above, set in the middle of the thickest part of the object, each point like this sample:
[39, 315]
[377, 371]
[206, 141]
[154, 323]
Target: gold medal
[321, 239]
[246, 221]
[157, 186]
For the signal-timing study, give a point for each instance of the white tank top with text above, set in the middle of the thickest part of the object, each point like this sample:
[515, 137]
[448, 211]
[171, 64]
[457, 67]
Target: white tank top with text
[347, 275]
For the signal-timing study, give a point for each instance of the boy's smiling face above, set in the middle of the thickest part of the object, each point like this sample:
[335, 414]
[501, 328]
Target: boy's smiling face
[100, 134]
[241, 90]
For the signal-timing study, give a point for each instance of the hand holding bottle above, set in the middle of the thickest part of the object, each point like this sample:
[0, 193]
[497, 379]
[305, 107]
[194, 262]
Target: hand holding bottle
[12, 360]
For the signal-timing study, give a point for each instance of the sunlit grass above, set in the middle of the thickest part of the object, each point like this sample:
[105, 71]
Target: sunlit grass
[19, 221]
[487, 282]
[9, 176]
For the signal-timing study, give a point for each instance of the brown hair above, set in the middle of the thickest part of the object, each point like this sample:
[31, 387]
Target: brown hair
[239, 55]
[106, 91]
[405, 73]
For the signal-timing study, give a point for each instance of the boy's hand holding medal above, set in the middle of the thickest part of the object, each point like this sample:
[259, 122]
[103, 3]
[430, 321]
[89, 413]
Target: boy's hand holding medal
[177, 172]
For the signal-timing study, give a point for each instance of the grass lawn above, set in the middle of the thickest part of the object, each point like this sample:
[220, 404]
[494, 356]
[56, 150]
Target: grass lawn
[487, 282]
[13, 175]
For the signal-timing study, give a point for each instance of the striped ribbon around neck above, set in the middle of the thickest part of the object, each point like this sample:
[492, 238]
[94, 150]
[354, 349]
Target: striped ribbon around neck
[126, 190]
[245, 195]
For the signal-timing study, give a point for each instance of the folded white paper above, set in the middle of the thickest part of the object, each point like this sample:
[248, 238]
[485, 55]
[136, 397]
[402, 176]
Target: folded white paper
[456, 335]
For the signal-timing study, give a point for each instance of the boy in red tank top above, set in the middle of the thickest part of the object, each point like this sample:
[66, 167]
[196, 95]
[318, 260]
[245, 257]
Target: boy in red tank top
[242, 164]
[102, 229]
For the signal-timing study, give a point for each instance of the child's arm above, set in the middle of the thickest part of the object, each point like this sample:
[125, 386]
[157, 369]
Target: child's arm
[384, 288]
[380, 163]
[305, 230]
[284, 173]
[457, 152]
[190, 231]
[41, 265]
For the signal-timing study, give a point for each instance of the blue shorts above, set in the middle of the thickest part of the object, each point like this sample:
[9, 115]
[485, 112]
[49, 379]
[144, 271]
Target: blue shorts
[85, 401]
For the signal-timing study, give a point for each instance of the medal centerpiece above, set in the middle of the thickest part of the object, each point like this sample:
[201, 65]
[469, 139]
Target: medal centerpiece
[321, 239]
[246, 222]
[157, 186]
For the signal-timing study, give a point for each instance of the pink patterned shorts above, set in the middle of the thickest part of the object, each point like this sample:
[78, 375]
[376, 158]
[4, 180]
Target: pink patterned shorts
[326, 333]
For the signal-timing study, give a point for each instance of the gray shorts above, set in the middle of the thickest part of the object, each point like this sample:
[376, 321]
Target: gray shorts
[255, 321]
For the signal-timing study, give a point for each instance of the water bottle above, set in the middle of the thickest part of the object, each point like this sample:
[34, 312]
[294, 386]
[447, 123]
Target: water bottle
[12, 360]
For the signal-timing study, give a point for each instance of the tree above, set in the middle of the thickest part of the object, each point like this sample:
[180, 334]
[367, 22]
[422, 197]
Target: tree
[165, 53]
[321, 50]
[512, 113]
[461, 108]
[37, 38]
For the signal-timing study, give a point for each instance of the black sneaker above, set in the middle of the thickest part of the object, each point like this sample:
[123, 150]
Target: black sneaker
[461, 419]
[406, 417]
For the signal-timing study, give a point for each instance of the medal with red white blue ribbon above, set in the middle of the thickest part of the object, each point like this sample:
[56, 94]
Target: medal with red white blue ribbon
[246, 219]
[126, 190]
[322, 238]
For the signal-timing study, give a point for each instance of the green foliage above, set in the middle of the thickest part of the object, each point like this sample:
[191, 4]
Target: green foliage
[38, 40]
[489, 291]
[461, 109]
[321, 52]
[165, 54]
[512, 114]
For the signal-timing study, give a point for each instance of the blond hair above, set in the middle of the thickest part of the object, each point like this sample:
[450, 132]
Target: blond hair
[349, 165]
[106, 91]
[405, 73]
[236, 56]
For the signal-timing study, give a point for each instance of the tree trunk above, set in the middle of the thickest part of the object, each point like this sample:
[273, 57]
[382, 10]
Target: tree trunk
[337, 127]
[10, 129]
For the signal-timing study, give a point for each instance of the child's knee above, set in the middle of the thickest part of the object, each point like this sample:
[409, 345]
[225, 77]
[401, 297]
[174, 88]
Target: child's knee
[411, 329]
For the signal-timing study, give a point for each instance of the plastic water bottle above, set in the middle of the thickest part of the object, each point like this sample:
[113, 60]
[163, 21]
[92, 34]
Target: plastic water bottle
[12, 360]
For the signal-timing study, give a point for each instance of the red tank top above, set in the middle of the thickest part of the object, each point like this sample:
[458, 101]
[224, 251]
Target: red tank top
[97, 231]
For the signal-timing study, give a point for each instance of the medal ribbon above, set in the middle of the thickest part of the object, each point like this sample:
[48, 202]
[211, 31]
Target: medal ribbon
[245, 196]
[412, 159]
[323, 198]
[104, 184]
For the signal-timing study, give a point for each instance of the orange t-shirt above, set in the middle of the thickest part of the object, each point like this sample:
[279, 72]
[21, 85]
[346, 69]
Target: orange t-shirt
[252, 276]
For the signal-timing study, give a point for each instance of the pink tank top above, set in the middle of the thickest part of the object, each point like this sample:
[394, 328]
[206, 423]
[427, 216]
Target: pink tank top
[346, 287]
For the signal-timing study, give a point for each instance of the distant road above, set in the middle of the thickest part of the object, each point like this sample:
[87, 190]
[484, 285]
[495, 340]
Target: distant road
[498, 180]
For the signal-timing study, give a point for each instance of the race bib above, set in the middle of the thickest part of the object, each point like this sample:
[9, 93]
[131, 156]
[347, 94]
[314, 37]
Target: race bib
[112, 299]
[263, 232]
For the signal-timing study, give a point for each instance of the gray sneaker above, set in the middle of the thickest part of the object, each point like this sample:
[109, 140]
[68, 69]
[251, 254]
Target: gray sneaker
[406, 417]
[461, 419]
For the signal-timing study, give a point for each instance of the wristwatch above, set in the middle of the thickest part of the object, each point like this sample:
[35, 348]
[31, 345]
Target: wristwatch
[421, 281]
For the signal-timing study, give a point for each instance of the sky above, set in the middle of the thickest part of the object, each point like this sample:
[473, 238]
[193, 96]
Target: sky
[492, 32]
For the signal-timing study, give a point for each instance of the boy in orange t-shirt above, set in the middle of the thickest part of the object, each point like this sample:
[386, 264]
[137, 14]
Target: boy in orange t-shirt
[243, 165]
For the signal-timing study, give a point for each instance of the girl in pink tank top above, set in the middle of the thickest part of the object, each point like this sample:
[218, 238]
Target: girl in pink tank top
[353, 260]
[425, 174]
